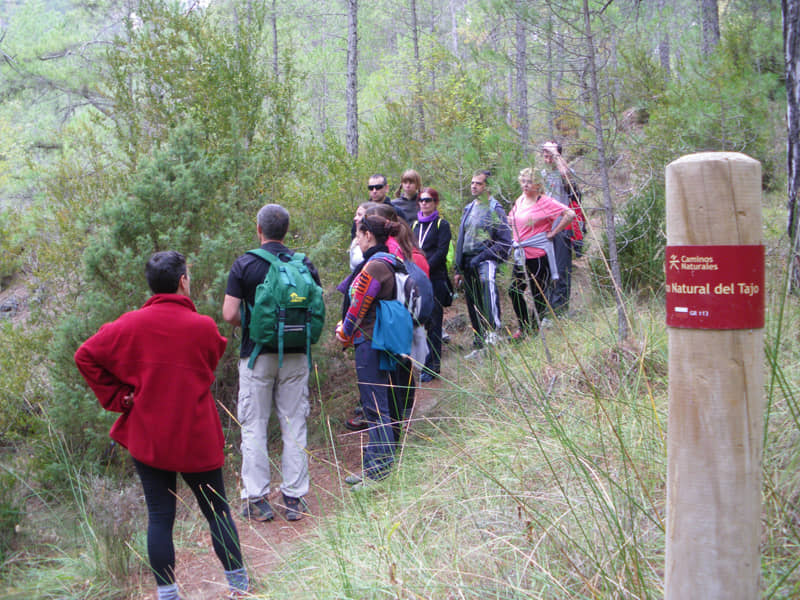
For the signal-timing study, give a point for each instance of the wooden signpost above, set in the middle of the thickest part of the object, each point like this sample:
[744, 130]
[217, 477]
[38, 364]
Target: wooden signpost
[715, 313]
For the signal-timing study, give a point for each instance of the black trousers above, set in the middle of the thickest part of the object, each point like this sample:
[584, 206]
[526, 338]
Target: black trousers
[402, 392]
[159, 493]
[536, 271]
[562, 287]
[434, 360]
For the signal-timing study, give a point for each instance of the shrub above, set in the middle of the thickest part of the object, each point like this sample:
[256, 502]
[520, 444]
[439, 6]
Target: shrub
[23, 389]
[11, 245]
[641, 237]
[10, 511]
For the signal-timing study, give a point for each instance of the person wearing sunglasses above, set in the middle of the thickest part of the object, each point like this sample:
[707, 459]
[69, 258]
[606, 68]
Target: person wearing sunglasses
[378, 187]
[433, 235]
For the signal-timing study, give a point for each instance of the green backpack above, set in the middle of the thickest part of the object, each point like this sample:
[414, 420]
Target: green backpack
[288, 312]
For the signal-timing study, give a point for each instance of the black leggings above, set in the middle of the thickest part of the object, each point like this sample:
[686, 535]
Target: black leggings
[159, 493]
[537, 270]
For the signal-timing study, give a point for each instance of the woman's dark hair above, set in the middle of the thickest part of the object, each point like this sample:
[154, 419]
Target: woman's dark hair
[404, 236]
[432, 193]
[164, 271]
[378, 226]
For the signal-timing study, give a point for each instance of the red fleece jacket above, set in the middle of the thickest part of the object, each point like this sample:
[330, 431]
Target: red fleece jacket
[165, 353]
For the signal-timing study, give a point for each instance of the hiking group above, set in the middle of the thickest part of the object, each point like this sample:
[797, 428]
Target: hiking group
[156, 365]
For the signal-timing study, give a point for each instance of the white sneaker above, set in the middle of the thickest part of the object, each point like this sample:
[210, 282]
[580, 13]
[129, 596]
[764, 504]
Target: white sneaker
[491, 338]
[476, 354]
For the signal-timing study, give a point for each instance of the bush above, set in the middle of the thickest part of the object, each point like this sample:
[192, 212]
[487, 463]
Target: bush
[11, 245]
[10, 511]
[641, 237]
[23, 388]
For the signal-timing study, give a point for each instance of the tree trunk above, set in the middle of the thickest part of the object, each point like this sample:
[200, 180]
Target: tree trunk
[522, 80]
[709, 16]
[454, 28]
[663, 41]
[274, 18]
[791, 48]
[611, 233]
[551, 114]
[417, 66]
[351, 92]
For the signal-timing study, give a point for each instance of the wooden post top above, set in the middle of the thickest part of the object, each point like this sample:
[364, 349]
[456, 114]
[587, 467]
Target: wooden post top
[697, 183]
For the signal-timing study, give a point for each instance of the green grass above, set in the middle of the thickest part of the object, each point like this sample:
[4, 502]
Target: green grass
[538, 474]
[529, 481]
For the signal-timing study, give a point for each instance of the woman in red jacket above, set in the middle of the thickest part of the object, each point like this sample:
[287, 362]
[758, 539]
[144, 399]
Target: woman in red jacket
[156, 366]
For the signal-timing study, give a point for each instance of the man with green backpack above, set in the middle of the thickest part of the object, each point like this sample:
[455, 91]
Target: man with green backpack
[275, 295]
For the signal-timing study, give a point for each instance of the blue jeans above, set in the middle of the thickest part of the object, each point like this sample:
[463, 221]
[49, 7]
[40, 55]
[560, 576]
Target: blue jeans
[373, 388]
[159, 494]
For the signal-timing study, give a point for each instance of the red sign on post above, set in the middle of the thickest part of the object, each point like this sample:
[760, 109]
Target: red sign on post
[715, 287]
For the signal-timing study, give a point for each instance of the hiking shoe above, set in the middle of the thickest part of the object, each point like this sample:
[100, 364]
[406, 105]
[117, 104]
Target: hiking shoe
[356, 424]
[476, 354]
[354, 478]
[445, 338]
[491, 338]
[260, 510]
[428, 376]
[364, 484]
[296, 508]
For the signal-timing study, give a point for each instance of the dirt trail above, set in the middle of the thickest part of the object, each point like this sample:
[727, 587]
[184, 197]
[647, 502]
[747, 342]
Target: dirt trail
[199, 573]
[264, 545]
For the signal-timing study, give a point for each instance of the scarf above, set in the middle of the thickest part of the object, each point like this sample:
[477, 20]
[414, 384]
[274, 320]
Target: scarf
[431, 217]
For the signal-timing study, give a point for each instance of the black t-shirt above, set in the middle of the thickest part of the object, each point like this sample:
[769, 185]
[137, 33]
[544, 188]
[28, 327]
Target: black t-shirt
[247, 273]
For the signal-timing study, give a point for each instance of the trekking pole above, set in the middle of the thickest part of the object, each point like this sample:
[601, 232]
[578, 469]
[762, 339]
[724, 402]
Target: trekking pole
[715, 318]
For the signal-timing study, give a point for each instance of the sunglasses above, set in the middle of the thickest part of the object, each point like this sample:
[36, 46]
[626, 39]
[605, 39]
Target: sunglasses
[426, 199]
[376, 187]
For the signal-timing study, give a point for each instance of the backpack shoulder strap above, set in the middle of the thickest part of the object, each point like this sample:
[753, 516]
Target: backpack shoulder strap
[264, 255]
[394, 262]
[385, 257]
